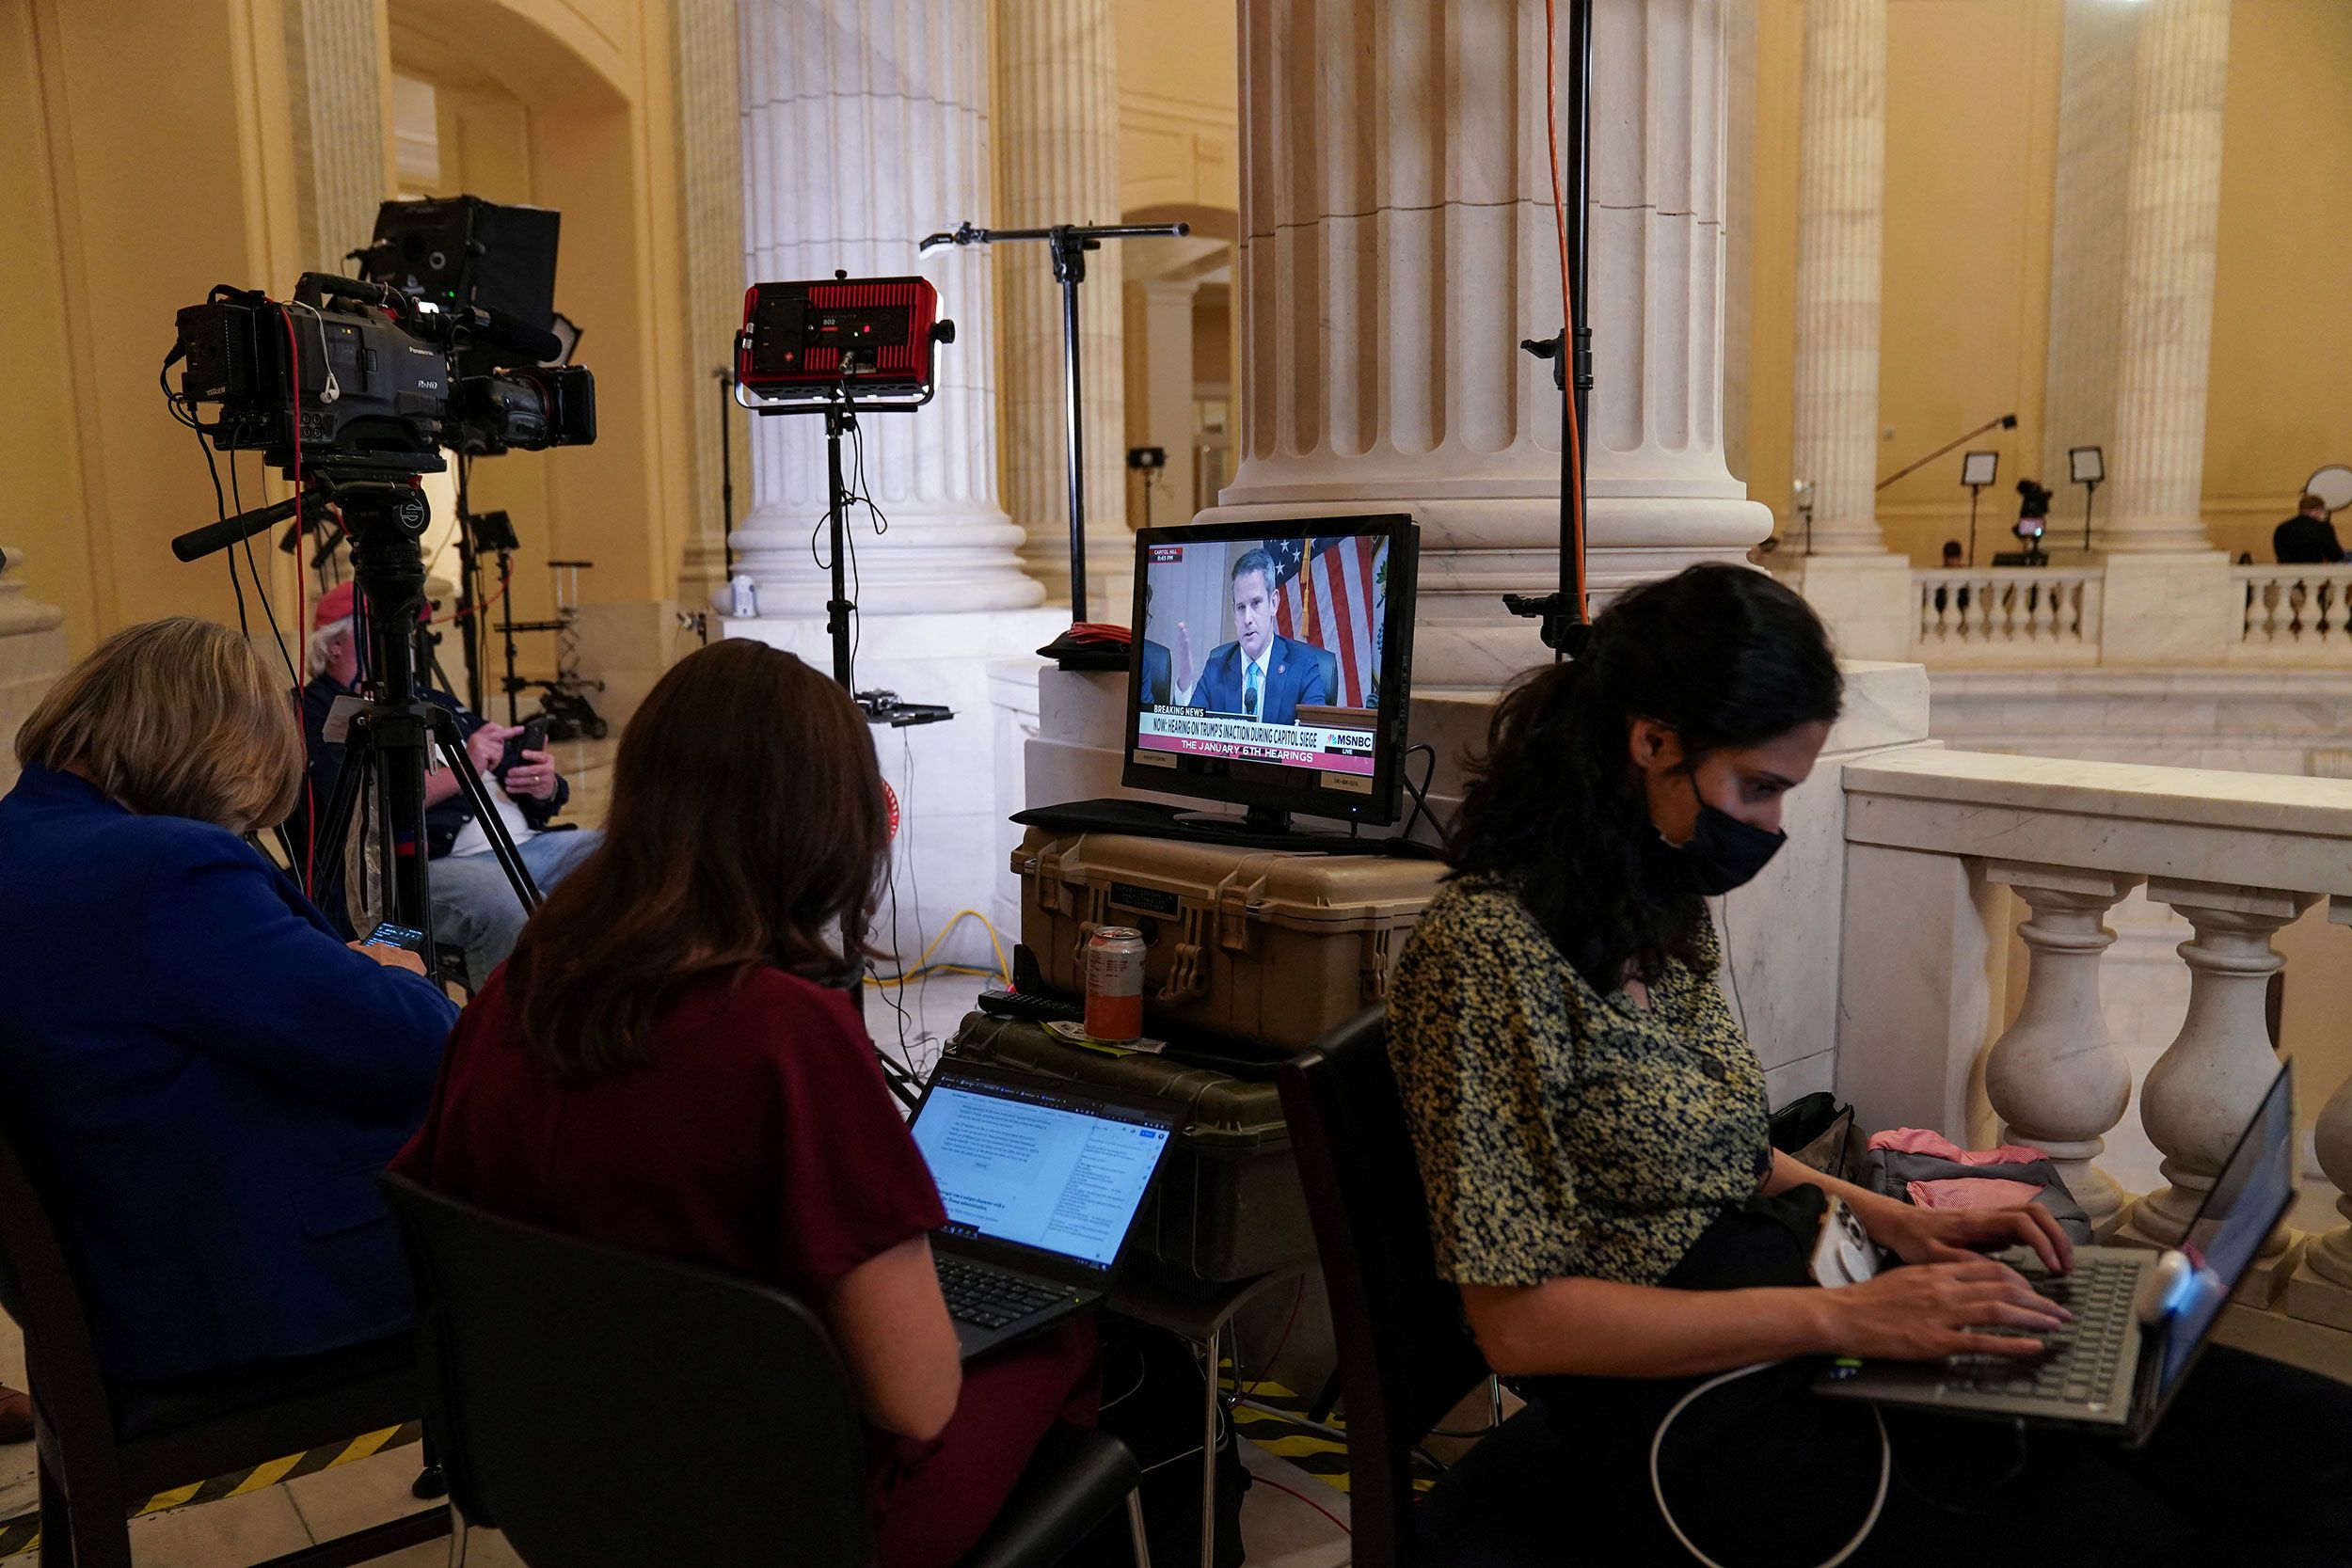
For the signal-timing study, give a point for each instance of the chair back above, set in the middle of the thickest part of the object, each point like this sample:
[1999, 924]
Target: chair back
[606, 1409]
[1405, 1357]
[40, 1293]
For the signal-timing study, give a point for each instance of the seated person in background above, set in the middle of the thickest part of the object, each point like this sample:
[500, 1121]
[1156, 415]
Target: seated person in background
[474, 906]
[1591, 1127]
[1954, 557]
[1259, 675]
[201, 1075]
[669, 1064]
[2308, 538]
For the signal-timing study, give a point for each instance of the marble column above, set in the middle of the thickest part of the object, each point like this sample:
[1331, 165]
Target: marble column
[705, 56]
[1057, 147]
[1397, 243]
[336, 59]
[1842, 199]
[2055, 1076]
[2172, 200]
[866, 128]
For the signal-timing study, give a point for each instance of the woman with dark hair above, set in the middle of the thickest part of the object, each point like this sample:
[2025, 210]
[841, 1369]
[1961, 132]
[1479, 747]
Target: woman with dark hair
[669, 1063]
[1592, 1134]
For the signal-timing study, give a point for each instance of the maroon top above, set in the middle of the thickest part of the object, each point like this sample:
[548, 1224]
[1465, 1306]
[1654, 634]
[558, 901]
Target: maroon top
[758, 1139]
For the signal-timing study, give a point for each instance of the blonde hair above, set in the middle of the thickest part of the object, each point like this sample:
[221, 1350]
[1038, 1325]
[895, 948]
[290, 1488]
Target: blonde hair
[175, 718]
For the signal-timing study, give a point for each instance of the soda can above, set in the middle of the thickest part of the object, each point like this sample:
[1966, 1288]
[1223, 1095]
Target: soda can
[743, 596]
[1114, 984]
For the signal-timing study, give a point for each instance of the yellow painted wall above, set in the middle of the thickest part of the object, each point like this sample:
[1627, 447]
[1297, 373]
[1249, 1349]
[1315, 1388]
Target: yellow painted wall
[113, 227]
[1972, 115]
[2281, 392]
[152, 157]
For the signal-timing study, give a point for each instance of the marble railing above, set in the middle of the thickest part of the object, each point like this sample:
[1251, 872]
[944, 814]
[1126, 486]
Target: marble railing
[2293, 614]
[32, 655]
[1944, 850]
[2006, 615]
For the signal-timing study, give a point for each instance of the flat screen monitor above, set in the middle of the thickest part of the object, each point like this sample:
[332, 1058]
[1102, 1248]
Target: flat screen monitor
[1272, 664]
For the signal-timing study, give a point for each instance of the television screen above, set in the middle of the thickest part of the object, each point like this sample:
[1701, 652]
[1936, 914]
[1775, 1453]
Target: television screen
[1271, 661]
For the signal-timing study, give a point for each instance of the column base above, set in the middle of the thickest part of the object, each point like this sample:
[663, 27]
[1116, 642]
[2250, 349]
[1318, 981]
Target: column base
[2312, 1294]
[946, 775]
[1864, 600]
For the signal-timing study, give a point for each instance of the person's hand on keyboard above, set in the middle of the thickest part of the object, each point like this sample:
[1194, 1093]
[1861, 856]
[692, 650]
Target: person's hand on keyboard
[1959, 1235]
[1929, 1311]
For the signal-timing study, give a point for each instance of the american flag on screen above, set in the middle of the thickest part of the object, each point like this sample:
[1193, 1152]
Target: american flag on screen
[1334, 596]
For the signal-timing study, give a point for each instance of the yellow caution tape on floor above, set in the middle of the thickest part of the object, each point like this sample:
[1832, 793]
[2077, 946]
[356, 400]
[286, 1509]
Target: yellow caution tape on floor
[23, 1533]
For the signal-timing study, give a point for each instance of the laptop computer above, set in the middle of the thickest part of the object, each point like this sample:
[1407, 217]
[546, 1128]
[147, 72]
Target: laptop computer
[1043, 1181]
[2108, 1371]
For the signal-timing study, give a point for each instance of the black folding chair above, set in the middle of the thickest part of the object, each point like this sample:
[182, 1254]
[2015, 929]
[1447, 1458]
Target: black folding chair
[106, 1448]
[1405, 1357]
[741, 1441]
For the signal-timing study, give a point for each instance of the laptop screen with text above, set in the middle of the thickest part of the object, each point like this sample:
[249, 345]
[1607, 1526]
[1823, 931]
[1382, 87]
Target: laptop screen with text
[1039, 1166]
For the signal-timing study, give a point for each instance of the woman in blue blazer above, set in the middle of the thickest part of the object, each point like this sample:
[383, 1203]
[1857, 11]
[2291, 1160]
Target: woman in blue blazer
[203, 1078]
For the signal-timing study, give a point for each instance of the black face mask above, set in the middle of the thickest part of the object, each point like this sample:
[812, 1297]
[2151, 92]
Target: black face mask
[1723, 852]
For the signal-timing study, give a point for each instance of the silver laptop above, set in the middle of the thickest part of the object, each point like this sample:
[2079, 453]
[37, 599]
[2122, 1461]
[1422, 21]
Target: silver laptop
[1043, 1181]
[2107, 1371]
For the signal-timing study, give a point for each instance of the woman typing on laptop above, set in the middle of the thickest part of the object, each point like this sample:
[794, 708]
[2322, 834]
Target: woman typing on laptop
[667, 1063]
[1591, 1129]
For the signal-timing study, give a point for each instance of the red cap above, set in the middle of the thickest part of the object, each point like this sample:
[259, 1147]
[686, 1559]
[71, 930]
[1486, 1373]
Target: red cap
[335, 605]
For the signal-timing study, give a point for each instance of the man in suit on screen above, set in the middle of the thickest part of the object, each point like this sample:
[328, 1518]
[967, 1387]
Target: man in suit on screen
[1259, 675]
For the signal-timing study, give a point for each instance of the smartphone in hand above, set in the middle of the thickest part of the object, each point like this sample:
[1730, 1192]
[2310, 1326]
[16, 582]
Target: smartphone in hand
[533, 737]
[388, 935]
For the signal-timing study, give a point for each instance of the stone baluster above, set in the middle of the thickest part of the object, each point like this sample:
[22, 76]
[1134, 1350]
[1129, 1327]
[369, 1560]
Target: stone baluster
[2201, 1093]
[2322, 1288]
[2055, 1076]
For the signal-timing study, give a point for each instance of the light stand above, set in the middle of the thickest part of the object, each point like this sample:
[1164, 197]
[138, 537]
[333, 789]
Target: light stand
[1977, 470]
[725, 374]
[2089, 467]
[1069, 243]
[881, 708]
[1561, 612]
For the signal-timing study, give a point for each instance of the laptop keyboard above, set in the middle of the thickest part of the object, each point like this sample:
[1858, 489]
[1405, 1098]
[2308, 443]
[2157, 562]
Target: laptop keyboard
[988, 1298]
[2080, 1360]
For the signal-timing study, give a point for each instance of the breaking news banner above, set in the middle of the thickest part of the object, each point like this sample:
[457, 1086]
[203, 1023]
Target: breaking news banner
[1196, 732]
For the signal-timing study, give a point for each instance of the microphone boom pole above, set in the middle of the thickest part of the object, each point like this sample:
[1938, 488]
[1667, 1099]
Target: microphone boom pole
[1069, 243]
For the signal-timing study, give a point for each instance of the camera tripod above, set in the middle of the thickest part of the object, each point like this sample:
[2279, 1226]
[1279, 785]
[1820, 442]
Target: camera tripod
[390, 737]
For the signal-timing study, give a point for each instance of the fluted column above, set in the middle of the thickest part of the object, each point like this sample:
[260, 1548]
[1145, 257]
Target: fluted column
[1057, 128]
[1398, 242]
[866, 128]
[2202, 1092]
[2173, 204]
[336, 55]
[2055, 1076]
[705, 51]
[1841, 200]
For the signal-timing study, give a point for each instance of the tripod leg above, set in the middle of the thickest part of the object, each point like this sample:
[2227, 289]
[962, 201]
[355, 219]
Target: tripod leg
[328, 833]
[486, 812]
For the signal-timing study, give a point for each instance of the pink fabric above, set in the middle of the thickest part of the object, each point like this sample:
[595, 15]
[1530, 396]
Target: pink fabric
[1972, 1192]
[1918, 1140]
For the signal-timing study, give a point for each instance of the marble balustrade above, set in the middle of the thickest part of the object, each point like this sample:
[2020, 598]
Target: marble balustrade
[1946, 851]
[2006, 615]
[2181, 611]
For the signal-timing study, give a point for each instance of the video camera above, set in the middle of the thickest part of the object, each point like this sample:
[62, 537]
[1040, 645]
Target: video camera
[359, 376]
